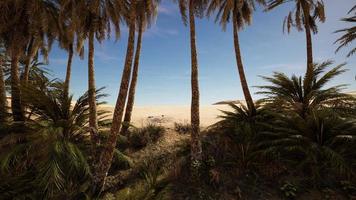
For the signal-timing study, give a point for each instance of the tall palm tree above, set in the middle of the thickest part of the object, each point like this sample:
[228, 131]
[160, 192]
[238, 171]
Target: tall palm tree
[108, 152]
[96, 18]
[66, 40]
[146, 14]
[17, 27]
[13, 30]
[304, 15]
[42, 32]
[31, 50]
[34, 47]
[349, 33]
[241, 14]
[189, 9]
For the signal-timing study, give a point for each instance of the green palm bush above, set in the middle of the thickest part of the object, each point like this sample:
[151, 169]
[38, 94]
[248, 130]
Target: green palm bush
[321, 144]
[302, 95]
[240, 127]
[52, 158]
[314, 125]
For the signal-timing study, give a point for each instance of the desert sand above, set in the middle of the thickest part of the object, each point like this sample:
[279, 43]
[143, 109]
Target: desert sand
[169, 114]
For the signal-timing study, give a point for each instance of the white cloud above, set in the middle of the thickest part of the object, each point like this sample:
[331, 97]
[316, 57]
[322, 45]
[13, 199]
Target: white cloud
[161, 32]
[105, 56]
[167, 9]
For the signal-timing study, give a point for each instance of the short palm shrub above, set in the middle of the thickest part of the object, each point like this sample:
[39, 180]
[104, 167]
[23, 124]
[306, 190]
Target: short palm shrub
[239, 130]
[182, 128]
[51, 159]
[321, 145]
[141, 137]
[305, 94]
[315, 128]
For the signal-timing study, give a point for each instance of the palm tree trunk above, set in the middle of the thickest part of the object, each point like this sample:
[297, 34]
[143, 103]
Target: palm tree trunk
[3, 102]
[108, 151]
[16, 103]
[240, 67]
[93, 122]
[133, 83]
[30, 54]
[196, 149]
[309, 44]
[69, 70]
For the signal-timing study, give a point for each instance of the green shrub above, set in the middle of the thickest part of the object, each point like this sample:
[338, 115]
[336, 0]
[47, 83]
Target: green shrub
[141, 137]
[289, 190]
[122, 143]
[154, 132]
[138, 139]
[120, 161]
[182, 128]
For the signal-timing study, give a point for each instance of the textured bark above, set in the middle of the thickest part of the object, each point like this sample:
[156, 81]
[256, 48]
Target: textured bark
[133, 83]
[309, 44]
[69, 70]
[93, 122]
[3, 102]
[16, 103]
[196, 149]
[108, 150]
[240, 67]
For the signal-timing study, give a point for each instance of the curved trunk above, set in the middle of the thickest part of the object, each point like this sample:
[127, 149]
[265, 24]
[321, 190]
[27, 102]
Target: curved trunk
[108, 151]
[69, 70]
[16, 104]
[31, 51]
[133, 83]
[309, 45]
[3, 102]
[93, 122]
[196, 149]
[240, 67]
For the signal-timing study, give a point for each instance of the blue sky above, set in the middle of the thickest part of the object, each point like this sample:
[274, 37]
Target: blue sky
[164, 76]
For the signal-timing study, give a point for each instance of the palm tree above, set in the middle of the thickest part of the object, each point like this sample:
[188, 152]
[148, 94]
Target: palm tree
[42, 31]
[305, 16]
[66, 40]
[241, 14]
[290, 94]
[31, 52]
[95, 20]
[14, 41]
[194, 8]
[17, 27]
[349, 33]
[108, 152]
[146, 13]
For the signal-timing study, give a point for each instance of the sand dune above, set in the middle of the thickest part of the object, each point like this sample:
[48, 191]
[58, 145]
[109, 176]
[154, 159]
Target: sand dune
[167, 115]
